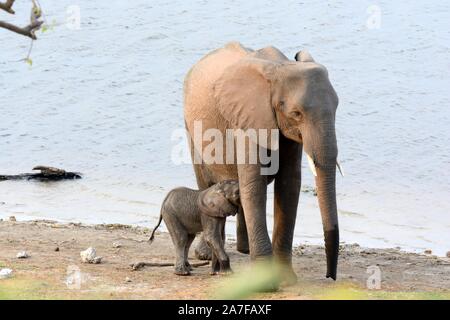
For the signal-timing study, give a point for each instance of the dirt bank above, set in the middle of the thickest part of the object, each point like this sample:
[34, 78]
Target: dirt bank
[54, 250]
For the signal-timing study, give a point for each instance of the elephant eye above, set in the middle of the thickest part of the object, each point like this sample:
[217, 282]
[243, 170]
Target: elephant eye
[296, 114]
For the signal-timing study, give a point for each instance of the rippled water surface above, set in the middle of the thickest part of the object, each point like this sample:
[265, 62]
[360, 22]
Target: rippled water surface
[106, 99]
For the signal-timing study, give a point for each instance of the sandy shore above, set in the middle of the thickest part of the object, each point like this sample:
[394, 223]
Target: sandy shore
[54, 250]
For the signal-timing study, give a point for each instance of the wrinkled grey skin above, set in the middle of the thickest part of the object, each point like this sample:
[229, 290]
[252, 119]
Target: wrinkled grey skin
[187, 212]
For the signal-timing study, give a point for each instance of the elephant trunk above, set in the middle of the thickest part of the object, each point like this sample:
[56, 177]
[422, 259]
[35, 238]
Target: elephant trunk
[321, 150]
[326, 193]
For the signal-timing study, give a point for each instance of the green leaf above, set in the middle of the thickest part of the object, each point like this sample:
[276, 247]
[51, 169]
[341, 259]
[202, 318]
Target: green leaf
[29, 61]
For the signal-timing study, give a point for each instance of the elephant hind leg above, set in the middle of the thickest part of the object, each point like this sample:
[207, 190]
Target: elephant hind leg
[241, 233]
[202, 251]
[190, 239]
[180, 239]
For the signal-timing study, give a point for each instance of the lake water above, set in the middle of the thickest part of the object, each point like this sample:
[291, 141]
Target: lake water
[106, 99]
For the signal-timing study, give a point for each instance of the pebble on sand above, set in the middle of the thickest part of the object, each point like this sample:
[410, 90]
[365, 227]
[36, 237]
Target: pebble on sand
[22, 255]
[128, 279]
[6, 273]
[12, 218]
[428, 251]
[448, 254]
[117, 245]
[90, 256]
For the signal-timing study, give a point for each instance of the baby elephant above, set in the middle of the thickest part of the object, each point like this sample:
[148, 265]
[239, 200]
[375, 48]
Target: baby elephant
[187, 212]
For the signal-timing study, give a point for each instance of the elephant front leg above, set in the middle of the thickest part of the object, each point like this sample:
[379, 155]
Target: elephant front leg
[287, 190]
[215, 265]
[214, 231]
[220, 263]
[253, 195]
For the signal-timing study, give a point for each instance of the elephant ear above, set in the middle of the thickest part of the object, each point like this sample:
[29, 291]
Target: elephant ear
[243, 96]
[304, 56]
[204, 203]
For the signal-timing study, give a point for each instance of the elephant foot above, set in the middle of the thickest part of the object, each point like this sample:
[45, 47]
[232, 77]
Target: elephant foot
[288, 276]
[264, 275]
[203, 251]
[182, 270]
[226, 272]
[221, 273]
[243, 249]
[272, 287]
[188, 265]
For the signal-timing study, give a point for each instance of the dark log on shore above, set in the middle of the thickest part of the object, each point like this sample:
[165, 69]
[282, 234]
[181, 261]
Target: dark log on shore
[46, 174]
[139, 265]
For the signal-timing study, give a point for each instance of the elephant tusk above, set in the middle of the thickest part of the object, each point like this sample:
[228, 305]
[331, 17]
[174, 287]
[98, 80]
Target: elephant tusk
[338, 165]
[312, 166]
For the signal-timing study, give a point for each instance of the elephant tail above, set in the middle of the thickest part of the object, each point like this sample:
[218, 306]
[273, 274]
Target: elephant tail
[152, 237]
[150, 240]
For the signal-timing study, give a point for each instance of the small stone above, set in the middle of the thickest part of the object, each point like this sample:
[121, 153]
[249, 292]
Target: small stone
[90, 256]
[128, 279]
[12, 218]
[97, 260]
[428, 251]
[6, 273]
[117, 245]
[448, 254]
[57, 249]
[22, 255]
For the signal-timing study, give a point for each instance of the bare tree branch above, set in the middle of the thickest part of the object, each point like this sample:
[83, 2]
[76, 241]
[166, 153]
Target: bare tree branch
[29, 30]
[7, 6]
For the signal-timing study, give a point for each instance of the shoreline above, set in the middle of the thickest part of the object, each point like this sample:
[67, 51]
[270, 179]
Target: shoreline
[44, 274]
[443, 253]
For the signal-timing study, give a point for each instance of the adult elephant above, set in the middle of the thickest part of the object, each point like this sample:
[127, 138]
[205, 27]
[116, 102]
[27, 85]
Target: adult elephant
[238, 88]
